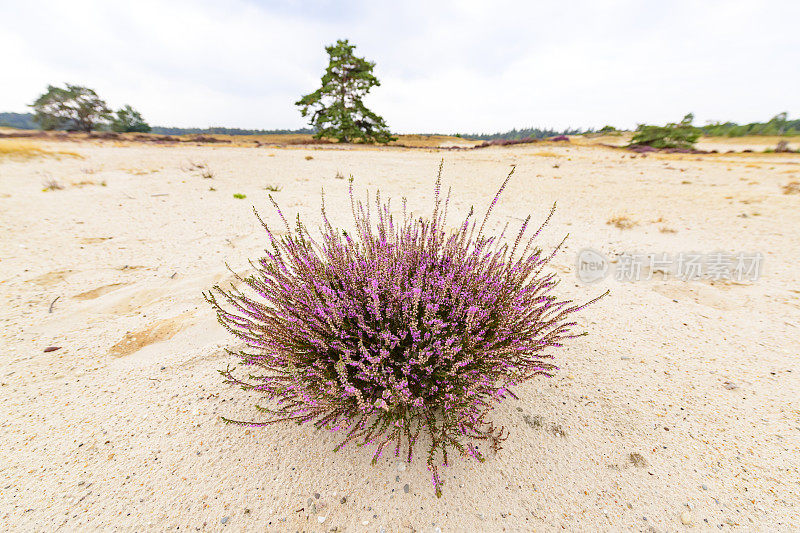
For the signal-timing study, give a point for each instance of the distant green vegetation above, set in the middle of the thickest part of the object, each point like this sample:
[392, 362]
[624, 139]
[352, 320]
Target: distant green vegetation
[525, 133]
[22, 121]
[777, 125]
[74, 108]
[166, 130]
[681, 135]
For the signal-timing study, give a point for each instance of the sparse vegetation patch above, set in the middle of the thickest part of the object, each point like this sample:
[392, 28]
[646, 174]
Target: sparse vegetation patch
[793, 187]
[680, 136]
[622, 222]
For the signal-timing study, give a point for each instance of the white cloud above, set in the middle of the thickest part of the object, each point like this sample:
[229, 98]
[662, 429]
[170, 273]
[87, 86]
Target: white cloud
[447, 66]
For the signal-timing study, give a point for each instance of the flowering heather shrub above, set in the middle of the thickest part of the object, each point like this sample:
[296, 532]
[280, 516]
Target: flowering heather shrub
[397, 330]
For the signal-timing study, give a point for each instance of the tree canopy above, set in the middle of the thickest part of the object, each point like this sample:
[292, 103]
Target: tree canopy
[337, 109]
[128, 119]
[72, 107]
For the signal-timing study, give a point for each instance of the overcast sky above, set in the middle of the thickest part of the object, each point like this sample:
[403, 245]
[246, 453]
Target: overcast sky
[444, 66]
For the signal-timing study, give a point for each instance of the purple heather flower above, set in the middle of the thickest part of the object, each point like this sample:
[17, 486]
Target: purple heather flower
[396, 328]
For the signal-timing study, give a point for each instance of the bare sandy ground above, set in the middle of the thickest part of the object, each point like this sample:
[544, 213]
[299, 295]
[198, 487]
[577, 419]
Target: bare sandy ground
[679, 410]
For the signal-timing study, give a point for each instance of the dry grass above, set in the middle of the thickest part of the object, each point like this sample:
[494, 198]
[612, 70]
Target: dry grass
[51, 184]
[191, 166]
[202, 167]
[277, 138]
[762, 140]
[546, 154]
[622, 222]
[140, 171]
[85, 183]
[299, 139]
[432, 141]
[793, 187]
[617, 139]
[19, 149]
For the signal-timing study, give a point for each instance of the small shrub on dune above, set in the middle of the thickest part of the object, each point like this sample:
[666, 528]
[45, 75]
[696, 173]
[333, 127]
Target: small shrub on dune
[680, 136]
[51, 184]
[399, 330]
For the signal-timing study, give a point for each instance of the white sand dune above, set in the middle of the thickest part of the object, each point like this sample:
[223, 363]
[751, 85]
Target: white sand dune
[680, 407]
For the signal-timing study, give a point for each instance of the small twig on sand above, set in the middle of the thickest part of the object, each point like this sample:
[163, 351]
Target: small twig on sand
[129, 196]
[50, 310]
[160, 194]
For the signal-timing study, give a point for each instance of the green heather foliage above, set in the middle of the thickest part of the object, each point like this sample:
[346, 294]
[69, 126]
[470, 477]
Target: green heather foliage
[399, 330]
[681, 135]
[72, 108]
[337, 109]
[128, 119]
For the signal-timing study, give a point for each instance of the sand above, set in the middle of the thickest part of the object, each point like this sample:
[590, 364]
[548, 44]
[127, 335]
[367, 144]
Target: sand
[679, 409]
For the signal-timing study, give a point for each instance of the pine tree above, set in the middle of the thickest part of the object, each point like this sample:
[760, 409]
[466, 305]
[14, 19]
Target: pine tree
[73, 108]
[337, 109]
[128, 119]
